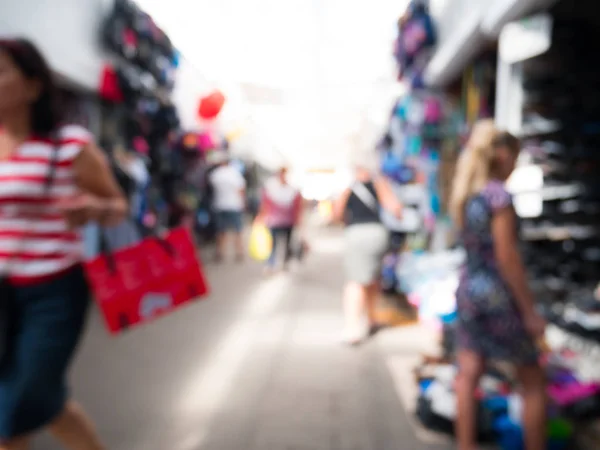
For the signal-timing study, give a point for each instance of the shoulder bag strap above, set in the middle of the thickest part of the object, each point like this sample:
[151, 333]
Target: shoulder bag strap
[47, 186]
[365, 196]
[52, 163]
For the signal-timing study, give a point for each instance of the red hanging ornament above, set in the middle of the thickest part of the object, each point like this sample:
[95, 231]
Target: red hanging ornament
[211, 105]
[109, 88]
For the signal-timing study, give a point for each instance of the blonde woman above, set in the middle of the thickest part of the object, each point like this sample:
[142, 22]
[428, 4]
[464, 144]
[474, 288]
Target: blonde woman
[497, 317]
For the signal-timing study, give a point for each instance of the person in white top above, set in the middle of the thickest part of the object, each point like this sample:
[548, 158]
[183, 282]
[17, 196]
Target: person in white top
[229, 203]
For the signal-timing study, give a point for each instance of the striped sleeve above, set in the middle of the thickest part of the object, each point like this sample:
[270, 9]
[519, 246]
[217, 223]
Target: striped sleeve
[73, 138]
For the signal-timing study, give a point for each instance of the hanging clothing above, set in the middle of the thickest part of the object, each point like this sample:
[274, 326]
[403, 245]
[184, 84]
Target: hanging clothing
[416, 206]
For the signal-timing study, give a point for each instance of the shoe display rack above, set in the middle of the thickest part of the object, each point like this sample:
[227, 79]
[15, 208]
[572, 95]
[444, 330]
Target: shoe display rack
[561, 137]
[560, 218]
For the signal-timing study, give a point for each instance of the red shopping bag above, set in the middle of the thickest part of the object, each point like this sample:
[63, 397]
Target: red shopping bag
[150, 279]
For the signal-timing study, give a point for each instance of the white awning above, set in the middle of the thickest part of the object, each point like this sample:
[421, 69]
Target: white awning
[455, 52]
[502, 12]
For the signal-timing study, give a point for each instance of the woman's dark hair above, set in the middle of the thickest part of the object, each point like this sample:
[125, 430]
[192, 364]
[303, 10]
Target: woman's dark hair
[505, 139]
[46, 110]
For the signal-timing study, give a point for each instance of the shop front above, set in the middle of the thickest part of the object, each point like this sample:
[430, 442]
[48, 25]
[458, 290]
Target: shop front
[547, 94]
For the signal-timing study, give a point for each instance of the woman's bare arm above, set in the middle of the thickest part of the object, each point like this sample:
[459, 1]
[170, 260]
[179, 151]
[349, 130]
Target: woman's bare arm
[509, 259]
[339, 205]
[94, 176]
[263, 207]
[387, 197]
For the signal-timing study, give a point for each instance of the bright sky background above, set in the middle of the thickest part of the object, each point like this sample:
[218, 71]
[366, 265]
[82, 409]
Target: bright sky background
[330, 59]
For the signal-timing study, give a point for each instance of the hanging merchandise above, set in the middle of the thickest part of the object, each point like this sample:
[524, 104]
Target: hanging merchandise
[118, 36]
[110, 89]
[430, 165]
[234, 134]
[142, 113]
[416, 34]
[132, 35]
[189, 143]
[393, 168]
[211, 105]
[432, 110]
[206, 142]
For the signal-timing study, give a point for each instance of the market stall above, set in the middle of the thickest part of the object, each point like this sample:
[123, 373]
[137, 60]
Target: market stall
[554, 109]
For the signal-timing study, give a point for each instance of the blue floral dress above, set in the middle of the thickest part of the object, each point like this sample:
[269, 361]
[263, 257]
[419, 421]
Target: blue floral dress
[489, 322]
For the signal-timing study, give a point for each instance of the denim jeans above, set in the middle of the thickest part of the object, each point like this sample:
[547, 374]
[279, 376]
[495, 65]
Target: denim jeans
[279, 233]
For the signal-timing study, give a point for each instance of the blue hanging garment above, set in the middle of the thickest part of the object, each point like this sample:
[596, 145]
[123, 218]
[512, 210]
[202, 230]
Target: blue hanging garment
[391, 165]
[414, 145]
[176, 59]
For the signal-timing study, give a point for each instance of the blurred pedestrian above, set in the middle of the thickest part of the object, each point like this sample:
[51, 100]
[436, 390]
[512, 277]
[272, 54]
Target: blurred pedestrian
[229, 203]
[366, 241]
[281, 211]
[53, 180]
[497, 319]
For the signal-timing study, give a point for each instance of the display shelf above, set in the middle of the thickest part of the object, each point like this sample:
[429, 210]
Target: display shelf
[560, 233]
[548, 193]
[559, 127]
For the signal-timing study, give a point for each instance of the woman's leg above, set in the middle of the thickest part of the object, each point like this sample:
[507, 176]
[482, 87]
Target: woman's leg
[220, 236]
[533, 383]
[16, 444]
[273, 258]
[371, 298]
[237, 219]
[354, 300]
[287, 233]
[381, 241]
[75, 430]
[470, 369]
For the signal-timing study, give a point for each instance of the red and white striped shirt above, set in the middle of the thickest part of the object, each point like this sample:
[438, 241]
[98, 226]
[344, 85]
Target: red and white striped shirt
[35, 240]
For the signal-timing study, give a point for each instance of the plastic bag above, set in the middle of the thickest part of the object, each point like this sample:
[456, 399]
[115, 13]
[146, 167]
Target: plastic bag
[261, 243]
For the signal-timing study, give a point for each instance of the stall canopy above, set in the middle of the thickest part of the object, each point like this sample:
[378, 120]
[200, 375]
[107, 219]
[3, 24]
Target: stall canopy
[460, 39]
[466, 28]
[502, 12]
[456, 52]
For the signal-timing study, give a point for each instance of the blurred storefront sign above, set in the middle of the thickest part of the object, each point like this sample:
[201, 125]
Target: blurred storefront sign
[526, 38]
[502, 12]
[466, 27]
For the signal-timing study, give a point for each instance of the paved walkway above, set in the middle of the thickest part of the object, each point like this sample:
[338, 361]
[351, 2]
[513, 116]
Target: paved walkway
[256, 366]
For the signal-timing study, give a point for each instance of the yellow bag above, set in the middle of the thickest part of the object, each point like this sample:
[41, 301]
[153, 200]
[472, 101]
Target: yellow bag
[261, 243]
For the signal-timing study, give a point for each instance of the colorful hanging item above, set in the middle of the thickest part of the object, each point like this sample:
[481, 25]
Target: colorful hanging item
[206, 142]
[190, 142]
[416, 33]
[109, 85]
[211, 105]
[234, 134]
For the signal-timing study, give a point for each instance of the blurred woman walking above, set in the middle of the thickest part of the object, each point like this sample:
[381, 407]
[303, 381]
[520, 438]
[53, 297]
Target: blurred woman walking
[366, 241]
[53, 180]
[281, 211]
